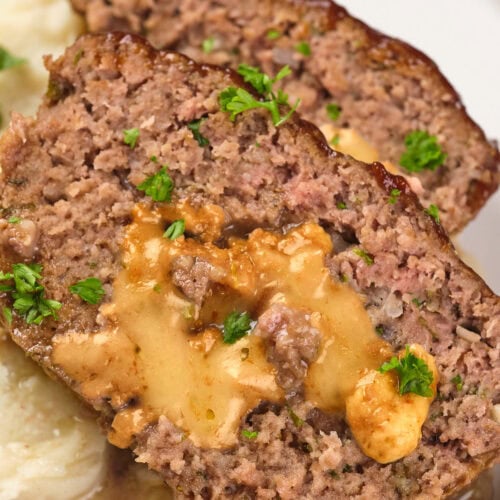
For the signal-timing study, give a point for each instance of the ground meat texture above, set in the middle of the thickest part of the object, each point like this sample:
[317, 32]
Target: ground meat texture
[292, 343]
[105, 84]
[384, 87]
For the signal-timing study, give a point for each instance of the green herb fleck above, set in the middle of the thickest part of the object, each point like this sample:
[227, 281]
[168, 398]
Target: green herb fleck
[380, 330]
[130, 137]
[28, 294]
[341, 205]
[90, 290]
[459, 383]
[335, 140]
[7, 314]
[297, 421]
[333, 111]
[194, 126]
[334, 474]
[393, 198]
[77, 57]
[433, 211]
[368, 259]
[236, 326]
[419, 303]
[7, 60]
[157, 288]
[273, 34]
[303, 48]
[249, 434]
[154, 159]
[175, 229]
[422, 152]
[237, 100]
[413, 373]
[158, 186]
[344, 278]
[14, 220]
[347, 469]
[208, 45]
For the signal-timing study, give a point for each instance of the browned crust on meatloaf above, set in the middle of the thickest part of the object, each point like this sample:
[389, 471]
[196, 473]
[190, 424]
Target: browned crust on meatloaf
[385, 87]
[70, 174]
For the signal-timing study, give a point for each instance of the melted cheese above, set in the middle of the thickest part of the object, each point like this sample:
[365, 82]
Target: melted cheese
[159, 354]
[351, 143]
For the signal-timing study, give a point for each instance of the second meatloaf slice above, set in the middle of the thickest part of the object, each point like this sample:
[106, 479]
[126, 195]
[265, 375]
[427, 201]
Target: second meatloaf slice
[384, 88]
[71, 189]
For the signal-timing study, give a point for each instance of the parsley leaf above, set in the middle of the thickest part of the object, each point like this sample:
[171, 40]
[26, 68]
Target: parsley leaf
[14, 220]
[334, 141]
[303, 48]
[130, 137]
[175, 229]
[273, 34]
[7, 313]
[90, 290]
[422, 152]
[249, 434]
[333, 111]
[28, 294]
[7, 60]
[158, 186]
[459, 383]
[297, 421]
[208, 45]
[365, 256]
[433, 211]
[341, 205]
[413, 373]
[237, 100]
[194, 126]
[393, 198]
[236, 326]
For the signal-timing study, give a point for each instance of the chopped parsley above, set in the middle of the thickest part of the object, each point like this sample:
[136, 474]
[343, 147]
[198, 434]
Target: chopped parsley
[273, 34]
[333, 111]
[334, 141]
[158, 186]
[419, 303]
[208, 45]
[237, 100]
[7, 313]
[422, 152]
[380, 330]
[393, 198]
[175, 229]
[130, 137]
[28, 294]
[90, 290]
[236, 326]
[14, 220]
[368, 259]
[7, 60]
[458, 381]
[347, 469]
[413, 374]
[303, 48]
[433, 211]
[341, 205]
[194, 126]
[249, 434]
[297, 421]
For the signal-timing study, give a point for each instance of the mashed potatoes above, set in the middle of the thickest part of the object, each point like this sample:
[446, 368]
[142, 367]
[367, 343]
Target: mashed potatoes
[50, 446]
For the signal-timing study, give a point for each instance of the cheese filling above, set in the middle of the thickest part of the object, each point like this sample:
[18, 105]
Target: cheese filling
[161, 353]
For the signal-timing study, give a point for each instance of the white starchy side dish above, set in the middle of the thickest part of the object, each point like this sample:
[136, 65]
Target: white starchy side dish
[50, 448]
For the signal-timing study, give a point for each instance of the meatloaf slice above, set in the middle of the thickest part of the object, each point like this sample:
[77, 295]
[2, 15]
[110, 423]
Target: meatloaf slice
[385, 89]
[72, 180]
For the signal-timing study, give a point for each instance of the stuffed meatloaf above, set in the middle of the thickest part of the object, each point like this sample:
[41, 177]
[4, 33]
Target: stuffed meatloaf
[225, 289]
[368, 93]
